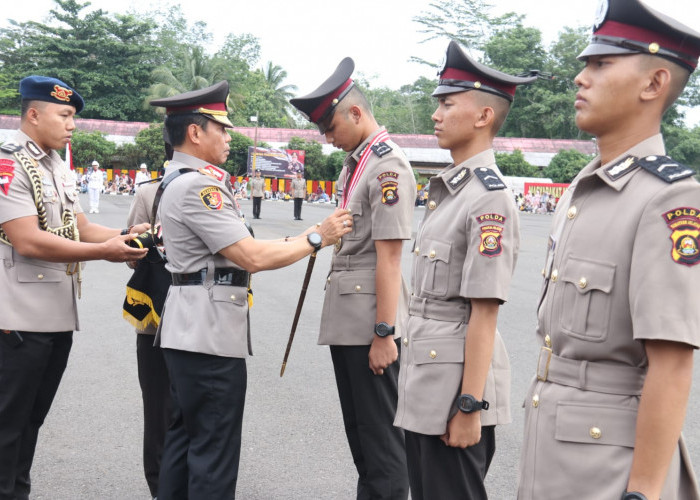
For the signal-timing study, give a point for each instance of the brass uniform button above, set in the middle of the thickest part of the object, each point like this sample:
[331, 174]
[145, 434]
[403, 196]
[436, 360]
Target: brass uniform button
[595, 432]
[432, 205]
[416, 251]
[328, 280]
[571, 213]
[405, 341]
[358, 288]
[535, 401]
[582, 283]
[554, 276]
[548, 341]
[233, 297]
[40, 276]
[543, 273]
[653, 48]
[433, 354]
[432, 254]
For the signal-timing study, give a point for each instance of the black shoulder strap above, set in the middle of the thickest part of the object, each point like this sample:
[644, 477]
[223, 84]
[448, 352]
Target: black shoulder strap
[665, 168]
[489, 178]
[166, 180]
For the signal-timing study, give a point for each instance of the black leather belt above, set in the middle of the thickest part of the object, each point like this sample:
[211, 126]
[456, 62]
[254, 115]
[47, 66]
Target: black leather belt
[222, 276]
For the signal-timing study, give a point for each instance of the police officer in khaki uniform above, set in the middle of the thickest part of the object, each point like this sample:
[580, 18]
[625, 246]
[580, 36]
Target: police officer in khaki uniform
[365, 292]
[618, 316]
[204, 327]
[43, 238]
[152, 372]
[257, 191]
[454, 383]
[298, 193]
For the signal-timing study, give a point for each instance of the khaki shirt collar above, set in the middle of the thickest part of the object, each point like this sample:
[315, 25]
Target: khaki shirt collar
[654, 145]
[486, 158]
[31, 147]
[189, 160]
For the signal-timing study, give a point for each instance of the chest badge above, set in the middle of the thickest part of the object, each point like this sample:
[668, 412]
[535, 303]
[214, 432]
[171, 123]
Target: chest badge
[684, 224]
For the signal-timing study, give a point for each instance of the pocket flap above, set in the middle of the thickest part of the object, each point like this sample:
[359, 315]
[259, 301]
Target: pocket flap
[32, 273]
[596, 424]
[435, 250]
[235, 294]
[355, 283]
[587, 275]
[438, 350]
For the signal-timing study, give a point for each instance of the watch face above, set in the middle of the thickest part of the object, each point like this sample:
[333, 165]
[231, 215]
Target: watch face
[467, 404]
[315, 239]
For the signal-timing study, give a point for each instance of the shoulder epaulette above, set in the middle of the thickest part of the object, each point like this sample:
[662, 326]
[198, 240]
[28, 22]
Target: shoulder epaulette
[381, 148]
[489, 178]
[10, 147]
[665, 168]
[214, 172]
[622, 168]
[459, 178]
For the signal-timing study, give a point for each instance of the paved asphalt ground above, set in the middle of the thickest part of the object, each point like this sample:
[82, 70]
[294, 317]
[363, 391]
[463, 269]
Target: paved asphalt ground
[293, 443]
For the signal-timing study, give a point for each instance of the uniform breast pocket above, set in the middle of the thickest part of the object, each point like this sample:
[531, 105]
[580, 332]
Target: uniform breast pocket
[32, 273]
[230, 304]
[433, 267]
[584, 298]
[358, 224]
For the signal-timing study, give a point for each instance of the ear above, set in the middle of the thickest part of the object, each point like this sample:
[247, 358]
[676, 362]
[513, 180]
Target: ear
[32, 116]
[485, 119]
[355, 113]
[193, 132]
[657, 86]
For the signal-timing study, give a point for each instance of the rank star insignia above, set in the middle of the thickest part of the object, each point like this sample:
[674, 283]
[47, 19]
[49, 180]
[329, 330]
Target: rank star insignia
[212, 198]
[684, 223]
[491, 244]
[7, 174]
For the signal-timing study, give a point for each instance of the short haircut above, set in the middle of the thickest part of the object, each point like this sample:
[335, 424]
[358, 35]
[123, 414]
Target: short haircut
[354, 98]
[29, 103]
[679, 76]
[176, 126]
[500, 106]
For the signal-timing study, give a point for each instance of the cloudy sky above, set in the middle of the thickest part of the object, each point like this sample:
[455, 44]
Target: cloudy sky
[309, 37]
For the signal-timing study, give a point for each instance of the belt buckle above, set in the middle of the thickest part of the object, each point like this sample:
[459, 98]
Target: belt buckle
[543, 363]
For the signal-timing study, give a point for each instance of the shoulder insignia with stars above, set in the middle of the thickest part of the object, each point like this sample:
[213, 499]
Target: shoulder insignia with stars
[622, 168]
[665, 168]
[10, 147]
[489, 178]
[214, 172]
[381, 148]
[459, 178]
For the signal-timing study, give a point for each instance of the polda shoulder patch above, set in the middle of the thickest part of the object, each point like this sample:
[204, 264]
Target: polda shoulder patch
[665, 168]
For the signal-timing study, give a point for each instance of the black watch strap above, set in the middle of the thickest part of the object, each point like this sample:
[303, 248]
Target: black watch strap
[633, 495]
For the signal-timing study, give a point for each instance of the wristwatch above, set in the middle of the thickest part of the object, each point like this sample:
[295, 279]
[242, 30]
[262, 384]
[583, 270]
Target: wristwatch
[633, 495]
[315, 240]
[383, 329]
[469, 404]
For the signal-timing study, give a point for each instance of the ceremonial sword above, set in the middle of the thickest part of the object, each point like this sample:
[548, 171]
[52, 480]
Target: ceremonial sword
[302, 295]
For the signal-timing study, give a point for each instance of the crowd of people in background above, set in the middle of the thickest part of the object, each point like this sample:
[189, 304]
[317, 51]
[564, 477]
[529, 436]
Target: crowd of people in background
[536, 203]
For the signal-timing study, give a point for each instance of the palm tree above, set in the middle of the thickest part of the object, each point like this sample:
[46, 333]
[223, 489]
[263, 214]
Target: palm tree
[274, 78]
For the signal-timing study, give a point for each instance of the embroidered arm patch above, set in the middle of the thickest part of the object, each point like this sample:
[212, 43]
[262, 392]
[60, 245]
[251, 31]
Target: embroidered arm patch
[212, 197]
[491, 244]
[388, 183]
[684, 223]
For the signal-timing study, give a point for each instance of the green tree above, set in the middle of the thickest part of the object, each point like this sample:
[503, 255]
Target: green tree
[281, 92]
[565, 165]
[515, 164]
[89, 146]
[683, 145]
[237, 163]
[149, 142]
[334, 164]
[469, 22]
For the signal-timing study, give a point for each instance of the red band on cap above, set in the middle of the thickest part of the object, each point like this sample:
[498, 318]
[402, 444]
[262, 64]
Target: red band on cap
[317, 113]
[626, 31]
[216, 106]
[458, 74]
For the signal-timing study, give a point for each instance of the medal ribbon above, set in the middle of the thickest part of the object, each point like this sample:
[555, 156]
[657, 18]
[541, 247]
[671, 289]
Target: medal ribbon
[359, 169]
